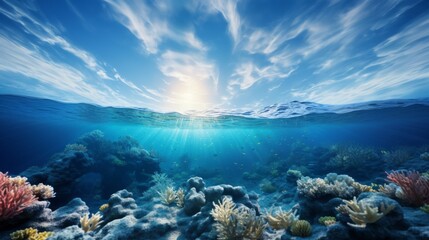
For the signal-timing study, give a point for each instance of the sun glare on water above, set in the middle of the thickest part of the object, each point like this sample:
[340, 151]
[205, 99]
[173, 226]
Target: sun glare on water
[190, 97]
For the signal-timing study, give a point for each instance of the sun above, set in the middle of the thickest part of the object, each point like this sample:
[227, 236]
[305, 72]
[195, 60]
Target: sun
[186, 97]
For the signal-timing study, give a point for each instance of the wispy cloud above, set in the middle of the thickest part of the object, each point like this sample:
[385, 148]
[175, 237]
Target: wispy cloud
[22, 14]
[47, 34]
[400, 67]
[228, 9]
[150, 25]
[22, 60]
[247, 74]
[188, 68]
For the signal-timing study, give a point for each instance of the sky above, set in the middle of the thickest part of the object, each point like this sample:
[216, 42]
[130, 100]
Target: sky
[169, 55]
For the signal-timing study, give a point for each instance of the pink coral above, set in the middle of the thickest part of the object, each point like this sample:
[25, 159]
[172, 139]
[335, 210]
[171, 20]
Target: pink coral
[14, 197]
[414, 186]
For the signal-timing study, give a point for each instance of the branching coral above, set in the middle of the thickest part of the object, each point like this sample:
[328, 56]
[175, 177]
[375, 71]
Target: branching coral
[349, 157]
[236, 223]
[168, 196]
[30, 234]
[42, 191]
[362, 213]
[15, 195]
[414, 186]
[89, 224]
[180, 198]
[333, 185]
[281, 219]
[301, 228]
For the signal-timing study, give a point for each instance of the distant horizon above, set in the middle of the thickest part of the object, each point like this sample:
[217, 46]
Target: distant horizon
[173, 56]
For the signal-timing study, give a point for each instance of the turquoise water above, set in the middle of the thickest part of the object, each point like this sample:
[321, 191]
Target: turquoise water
[34, 129]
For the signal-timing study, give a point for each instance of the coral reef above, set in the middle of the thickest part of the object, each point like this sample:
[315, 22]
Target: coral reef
[281, 219]
[333, 185]
[236, 223]
[67, 170]
[327, 220]
[415, 187]
[362, 213]
[89, 224]
[301, 228]
[30, 234]
[350, 157]
[15, 196]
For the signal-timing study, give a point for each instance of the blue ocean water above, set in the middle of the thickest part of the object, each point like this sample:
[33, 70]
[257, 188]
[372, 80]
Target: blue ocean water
[254, 149]
[33, 130]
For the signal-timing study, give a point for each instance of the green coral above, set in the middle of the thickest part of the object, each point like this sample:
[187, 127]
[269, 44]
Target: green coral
[425, 208]
[267, 187]
[30, 234]
[301, 228]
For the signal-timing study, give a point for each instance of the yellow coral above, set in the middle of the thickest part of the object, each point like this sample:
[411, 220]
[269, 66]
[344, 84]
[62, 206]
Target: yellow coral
[180, 198]
[42, 191]
[89, 224]
[301, 228]
[327, 220]
[103, 207]
[18, 181]
[30, 234]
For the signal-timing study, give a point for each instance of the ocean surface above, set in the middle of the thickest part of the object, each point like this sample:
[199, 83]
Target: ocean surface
[90, 152]
[32, 130]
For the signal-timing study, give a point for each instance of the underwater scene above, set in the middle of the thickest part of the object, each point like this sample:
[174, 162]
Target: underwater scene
[214, 120]
[80, 171]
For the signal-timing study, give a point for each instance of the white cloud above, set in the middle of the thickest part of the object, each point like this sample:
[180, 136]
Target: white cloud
[188, 67]
[228, 9]
[247, 74]
[150, 26]
[46, 33]
[30, 63]
[399, 69]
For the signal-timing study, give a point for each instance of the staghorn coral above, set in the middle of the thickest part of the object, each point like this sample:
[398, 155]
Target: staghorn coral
[15, 195]
[281, 219]
[327, 220]
[236, 223]
[363, 213]
[42, 191]
[30, 234]
[414, 186]
[89, 224]
[160, 183]
[333, 185]
[301, 228]
[180, 198]
[168, 196]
